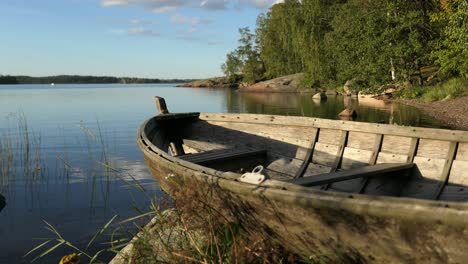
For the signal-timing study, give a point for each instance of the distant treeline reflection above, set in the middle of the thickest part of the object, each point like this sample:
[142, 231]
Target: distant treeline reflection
[77, 79]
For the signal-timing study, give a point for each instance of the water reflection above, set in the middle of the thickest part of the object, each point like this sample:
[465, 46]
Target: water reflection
[368, 109]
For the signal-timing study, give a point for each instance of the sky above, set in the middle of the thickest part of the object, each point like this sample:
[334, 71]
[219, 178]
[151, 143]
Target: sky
[136, 38]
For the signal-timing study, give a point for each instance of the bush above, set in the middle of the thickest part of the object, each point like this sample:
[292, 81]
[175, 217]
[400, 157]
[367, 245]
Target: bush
[454, 88]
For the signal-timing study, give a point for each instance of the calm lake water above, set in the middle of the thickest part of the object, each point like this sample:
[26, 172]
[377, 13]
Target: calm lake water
[58, 144]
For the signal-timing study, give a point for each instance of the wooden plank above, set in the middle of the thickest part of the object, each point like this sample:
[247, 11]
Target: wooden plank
[368, 171]
[161, 105]
[462, 151]
[428, 169]
[433, 148]
[212, 156]
[330, 136]
[359, 140]
[454, 193]
[396, 144]
[286, 168]
[325, 154]
[414, 132]
[419, 189]
[355, 158]
[308, 157]
[373, 160]
[341, 147]
[459, 173]
[391, 158]
[228, 160]
[176, 146]
[200, 144]
[211, 133]
[413, 149]
[451, 154]
[299, 136]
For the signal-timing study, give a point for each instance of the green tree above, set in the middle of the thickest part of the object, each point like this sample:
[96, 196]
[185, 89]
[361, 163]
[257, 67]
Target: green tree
[6, 79]
[279, 35]
[372, 38]
[451, 51]
[245, 59]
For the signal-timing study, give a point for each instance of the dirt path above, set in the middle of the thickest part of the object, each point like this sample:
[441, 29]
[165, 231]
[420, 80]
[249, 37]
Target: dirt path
[453, 112]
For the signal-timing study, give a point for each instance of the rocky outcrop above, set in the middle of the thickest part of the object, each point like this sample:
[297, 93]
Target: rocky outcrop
[348, 112]
[284, 84]
[320, 96]
[218, 82]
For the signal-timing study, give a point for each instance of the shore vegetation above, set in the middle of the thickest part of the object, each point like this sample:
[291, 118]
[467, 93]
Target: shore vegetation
[379, 41]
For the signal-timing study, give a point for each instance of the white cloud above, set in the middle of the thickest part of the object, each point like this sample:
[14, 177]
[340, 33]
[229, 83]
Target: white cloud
[159, 6]
[141, 31]
[259, 3]
[141, 22]
[214, 4]
[192, 20]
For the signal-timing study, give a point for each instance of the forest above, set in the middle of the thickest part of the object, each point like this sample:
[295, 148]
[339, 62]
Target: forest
[78, 79]
[374, 41]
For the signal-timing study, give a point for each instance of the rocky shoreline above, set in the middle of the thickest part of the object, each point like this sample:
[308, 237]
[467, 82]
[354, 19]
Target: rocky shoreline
[453, 111]
[217, 82]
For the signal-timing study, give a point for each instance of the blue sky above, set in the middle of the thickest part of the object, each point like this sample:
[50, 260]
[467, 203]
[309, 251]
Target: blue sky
[140, 38]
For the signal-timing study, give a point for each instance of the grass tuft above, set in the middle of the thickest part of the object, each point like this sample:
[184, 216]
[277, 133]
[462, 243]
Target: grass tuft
[450, 89]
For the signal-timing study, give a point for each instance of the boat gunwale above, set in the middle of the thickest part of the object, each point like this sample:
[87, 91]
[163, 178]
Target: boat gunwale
[455, 213]
[351, 126]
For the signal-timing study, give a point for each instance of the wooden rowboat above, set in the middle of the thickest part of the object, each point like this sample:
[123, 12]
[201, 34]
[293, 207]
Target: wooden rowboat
[379, 193]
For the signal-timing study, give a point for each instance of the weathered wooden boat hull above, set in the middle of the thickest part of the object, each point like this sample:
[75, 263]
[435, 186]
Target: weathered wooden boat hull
[314, 222]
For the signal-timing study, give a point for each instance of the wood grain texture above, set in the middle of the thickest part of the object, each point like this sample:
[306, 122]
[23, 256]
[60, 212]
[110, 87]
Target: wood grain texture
[425, 133]
[428, 168]
[359, 140]
[462, 151]
[459, 173]
[391, 158]
[396, 144]
[325, 154]
[450, 156]
[308, 158]
[433, 149]
[368, 171]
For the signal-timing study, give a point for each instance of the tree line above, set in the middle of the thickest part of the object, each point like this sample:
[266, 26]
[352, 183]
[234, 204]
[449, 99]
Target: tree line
[78, 79]
[332, 41]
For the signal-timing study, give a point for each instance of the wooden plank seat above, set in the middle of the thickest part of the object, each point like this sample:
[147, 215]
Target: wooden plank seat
[367, 171]
[228, 159]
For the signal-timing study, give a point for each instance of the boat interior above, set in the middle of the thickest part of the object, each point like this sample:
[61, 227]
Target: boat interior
[332, 155]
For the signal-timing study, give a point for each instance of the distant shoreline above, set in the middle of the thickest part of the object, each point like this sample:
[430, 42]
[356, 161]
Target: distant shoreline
[52, 84]
[80, 79]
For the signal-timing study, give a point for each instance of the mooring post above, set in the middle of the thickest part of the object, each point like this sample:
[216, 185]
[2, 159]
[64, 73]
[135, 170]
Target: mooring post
[176, 142]
[161, 104]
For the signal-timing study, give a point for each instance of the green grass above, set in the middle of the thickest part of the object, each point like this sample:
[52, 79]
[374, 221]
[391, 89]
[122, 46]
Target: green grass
[20, 152]
[454, 88]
